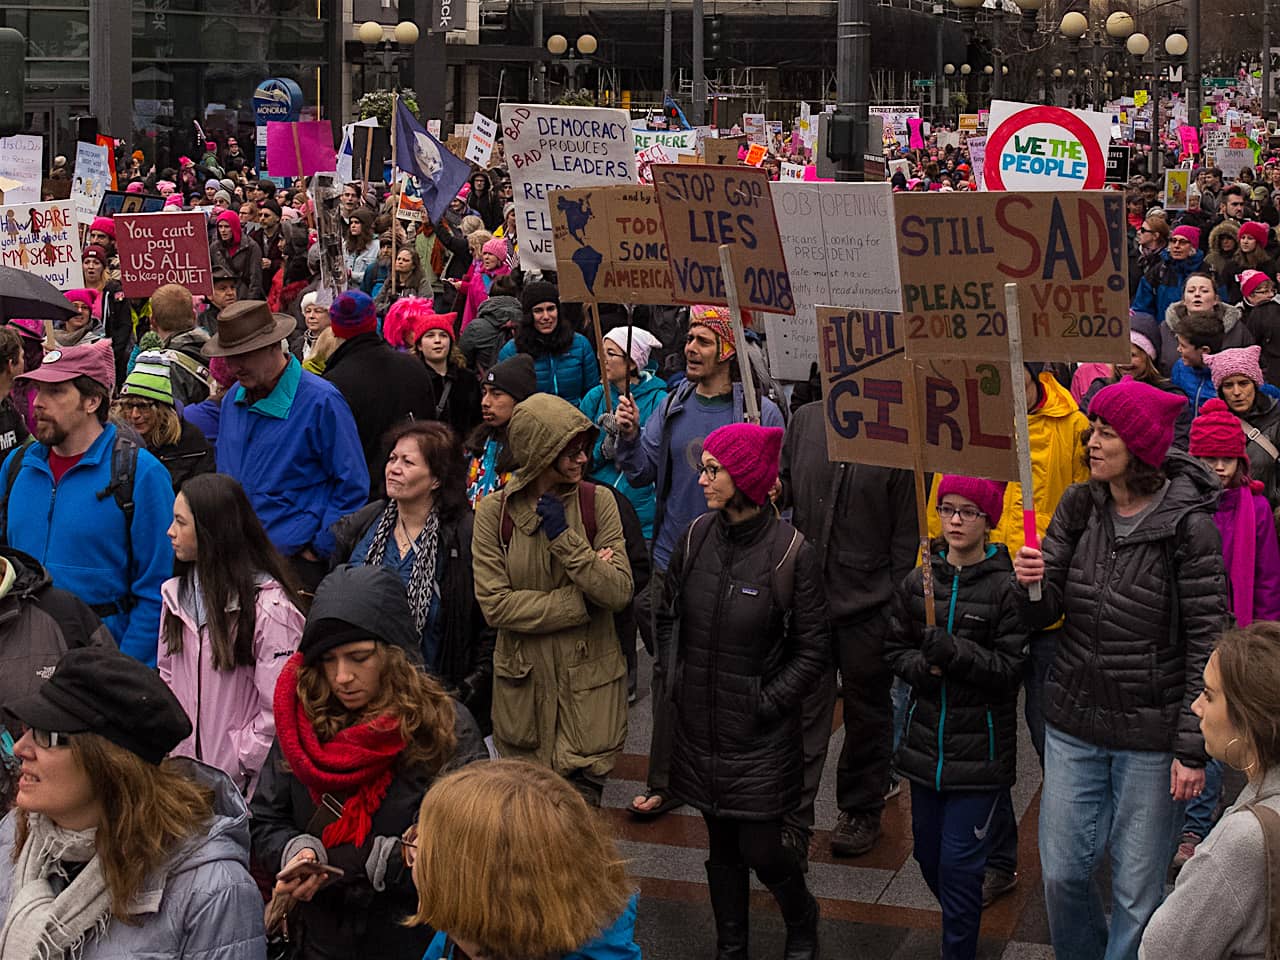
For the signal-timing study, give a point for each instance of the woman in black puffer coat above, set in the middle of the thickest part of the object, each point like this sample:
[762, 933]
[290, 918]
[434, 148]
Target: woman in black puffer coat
[1132, 562]
[961, 743]
[746, 596]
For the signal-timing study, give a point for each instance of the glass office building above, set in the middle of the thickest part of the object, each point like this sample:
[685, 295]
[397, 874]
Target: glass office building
[194, 61]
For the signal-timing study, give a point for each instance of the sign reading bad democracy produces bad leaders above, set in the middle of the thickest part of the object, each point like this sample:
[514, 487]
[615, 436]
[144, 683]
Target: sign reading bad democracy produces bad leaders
[705, 207]
[160, 248]
[840, 248]
[609, 245]
[966, 406]
[1066, 252]
[1032, 147]
[554, 148]
[44, 239]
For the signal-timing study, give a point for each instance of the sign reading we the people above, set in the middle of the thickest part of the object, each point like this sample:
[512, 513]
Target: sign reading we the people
[966, 406]
[1066, 252]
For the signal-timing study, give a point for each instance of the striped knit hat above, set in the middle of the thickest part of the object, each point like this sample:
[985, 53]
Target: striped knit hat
[150, 379]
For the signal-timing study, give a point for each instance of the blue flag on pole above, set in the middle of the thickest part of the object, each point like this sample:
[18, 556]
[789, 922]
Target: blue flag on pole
[674, 114]
[439, 173]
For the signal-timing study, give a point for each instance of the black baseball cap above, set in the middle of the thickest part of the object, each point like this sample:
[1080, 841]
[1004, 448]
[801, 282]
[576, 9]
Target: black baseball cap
[101, 690]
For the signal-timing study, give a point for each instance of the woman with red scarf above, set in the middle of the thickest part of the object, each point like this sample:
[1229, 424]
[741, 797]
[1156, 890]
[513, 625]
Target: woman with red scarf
[239, 254]
[361, 734]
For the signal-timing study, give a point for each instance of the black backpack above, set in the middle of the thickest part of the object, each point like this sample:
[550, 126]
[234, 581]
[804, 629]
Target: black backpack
[124, 465]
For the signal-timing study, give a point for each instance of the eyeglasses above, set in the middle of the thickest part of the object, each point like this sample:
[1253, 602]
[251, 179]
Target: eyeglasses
[136, 406]
[712, 470]
[1179, 242]
[968, 514]
[47, 739]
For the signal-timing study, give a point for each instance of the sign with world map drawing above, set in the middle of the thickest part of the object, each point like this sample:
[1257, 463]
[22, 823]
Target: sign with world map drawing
[609, 245]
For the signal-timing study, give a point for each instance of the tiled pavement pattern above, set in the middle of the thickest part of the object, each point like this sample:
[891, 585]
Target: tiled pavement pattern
[875, 907]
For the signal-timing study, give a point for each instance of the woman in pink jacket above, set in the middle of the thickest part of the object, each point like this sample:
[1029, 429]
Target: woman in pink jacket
[228, 623]
[473, 288]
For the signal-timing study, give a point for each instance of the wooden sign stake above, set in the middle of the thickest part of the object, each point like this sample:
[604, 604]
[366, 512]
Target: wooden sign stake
[916, 419]
[751, 404]
[297, 150]
[593, 310]
[1020, 432]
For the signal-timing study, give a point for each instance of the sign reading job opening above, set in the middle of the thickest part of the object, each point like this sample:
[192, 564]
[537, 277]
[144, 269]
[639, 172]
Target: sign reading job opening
[1034, 147]
[554, 148]
[609, 245]
[966, 406]
[44, 239]
[1065, 251]
[704, 207]
[840, 247]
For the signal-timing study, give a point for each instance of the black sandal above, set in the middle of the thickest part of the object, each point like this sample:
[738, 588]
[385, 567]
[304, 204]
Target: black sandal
[668, 803]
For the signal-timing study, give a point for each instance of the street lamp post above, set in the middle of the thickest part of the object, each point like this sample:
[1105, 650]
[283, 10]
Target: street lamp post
[995, 43]
[558, 46]
[389, 52]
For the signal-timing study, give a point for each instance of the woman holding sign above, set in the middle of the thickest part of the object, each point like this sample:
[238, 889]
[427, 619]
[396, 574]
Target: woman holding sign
[1132, 562]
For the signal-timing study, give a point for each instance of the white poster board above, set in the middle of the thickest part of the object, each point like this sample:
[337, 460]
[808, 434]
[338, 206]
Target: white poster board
[553, 148]
[22, 159]
[1037, 147]
[92, 178]
[44, 239]
[480, 145]
[675, 142]
[841, 249]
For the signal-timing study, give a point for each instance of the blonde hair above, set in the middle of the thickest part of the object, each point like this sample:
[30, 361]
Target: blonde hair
[476, 241]
[147, 811]
[416, 699]
[470, 224]
[511, 858]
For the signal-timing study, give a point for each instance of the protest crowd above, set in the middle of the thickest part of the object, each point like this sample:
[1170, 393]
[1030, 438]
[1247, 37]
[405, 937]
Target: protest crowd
[331, 573]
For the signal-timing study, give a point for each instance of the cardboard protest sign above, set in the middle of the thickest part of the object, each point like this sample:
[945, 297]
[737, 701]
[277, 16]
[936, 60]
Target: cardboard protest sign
[307, 142]
[977, 147]
[840, 248]
[22, 159]
[160, 248]
[483, 135]
[647, 157]
[1232, 160]
[704, 208]
[92, 179]
[1117, 164]
[754, 127]
[756, 154]
[1189, 139]
[722, 151]
[44, 239]
[609, 245]
[895, 121]
[1140, 98]
[792, 172]
[410, 208]
[373, 142]
[117, 201]
[968, 123]
[1177, 184]
[675, 141]
[109, 144]
[1066, 251]
[1035, 147]
[966, 405]
[553, 148]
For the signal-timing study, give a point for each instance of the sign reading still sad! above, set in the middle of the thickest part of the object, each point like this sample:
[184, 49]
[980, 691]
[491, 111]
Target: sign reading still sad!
[1032, 147]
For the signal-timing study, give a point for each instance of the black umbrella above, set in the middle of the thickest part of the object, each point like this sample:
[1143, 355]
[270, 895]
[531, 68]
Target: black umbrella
[24, 294]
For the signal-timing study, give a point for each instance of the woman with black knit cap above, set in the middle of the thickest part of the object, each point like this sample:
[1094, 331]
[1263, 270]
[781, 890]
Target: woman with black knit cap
[745, 590]
[361, 733]
[565, 363]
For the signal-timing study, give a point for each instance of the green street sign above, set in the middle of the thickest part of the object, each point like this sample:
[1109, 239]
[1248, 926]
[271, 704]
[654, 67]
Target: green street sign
[923, 83]
[1217, 81]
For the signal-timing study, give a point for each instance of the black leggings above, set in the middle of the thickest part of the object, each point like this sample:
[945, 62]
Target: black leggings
[753, 843]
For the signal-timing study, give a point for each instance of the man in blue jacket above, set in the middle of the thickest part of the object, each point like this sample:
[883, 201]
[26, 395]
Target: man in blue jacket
[289, 438]
[61, 508]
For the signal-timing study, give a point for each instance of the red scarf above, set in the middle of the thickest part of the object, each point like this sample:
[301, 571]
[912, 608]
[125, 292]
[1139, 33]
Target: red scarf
[358, 761]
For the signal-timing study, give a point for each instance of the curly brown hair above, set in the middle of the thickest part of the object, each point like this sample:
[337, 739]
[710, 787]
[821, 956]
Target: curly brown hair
[420, 704]
[1139, 478]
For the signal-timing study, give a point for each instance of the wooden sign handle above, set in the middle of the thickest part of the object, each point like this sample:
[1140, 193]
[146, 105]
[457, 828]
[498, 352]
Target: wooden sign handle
[297, 149]
[1020, 432]
[751, 404]
[593, 311]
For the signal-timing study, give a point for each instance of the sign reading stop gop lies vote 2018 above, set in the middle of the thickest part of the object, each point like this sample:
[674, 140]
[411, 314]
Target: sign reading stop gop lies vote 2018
[704, 207]
[1032, 147]
[1065, 251]
[966, 406]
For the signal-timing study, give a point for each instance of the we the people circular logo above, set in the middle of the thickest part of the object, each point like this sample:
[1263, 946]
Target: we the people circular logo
[1045, 148]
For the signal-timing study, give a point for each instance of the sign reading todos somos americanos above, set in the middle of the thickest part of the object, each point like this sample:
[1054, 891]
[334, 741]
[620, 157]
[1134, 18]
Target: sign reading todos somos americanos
[1035, 147]
[554, 148]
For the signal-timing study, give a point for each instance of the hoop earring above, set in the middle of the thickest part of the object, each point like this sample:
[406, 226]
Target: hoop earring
[1235, 766]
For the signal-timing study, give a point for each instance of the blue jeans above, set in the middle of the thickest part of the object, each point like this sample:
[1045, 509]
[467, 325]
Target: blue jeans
[1200, 811]
[952, 832]
[900, 696]
[1094, 799]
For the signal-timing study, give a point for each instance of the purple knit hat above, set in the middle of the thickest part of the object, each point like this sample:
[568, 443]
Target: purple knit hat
[750, 454]
[987, 494]
[1238, 360]
[1142, 415]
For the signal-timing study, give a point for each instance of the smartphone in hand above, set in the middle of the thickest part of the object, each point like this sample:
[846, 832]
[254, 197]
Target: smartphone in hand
[307, 868]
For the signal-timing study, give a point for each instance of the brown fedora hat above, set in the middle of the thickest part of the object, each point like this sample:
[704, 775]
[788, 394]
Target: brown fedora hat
[245, 326]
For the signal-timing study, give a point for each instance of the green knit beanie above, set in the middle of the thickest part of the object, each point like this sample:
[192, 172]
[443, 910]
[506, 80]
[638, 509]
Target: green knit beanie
[150, 378]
